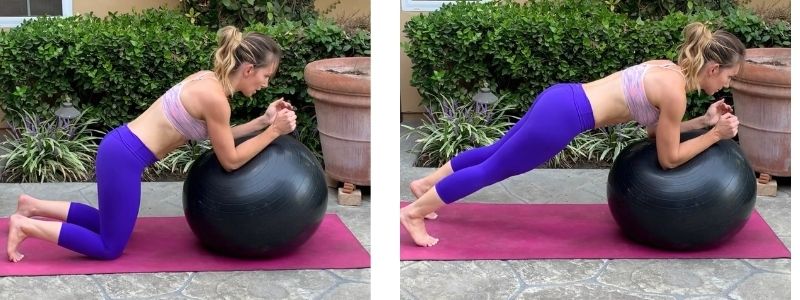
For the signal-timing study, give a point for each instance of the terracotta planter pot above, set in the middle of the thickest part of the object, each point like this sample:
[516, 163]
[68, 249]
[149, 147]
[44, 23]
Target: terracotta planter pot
[761, 96]
[340, 88]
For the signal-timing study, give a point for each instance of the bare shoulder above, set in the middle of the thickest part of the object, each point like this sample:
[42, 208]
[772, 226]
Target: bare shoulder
[207, 92]
[665, 85]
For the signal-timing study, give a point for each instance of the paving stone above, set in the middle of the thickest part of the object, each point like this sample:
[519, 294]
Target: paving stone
[559, 186]
[679, 277]
[708, 298]
[537, 272]
[349, 291]
[356, 275]
[61, 191]
[405, 295]
[301, 284]
[772, 265]
[171, 296]
[141, 285]
[49, 287]
[161, 199]
[585, 291]
[776, 212]
[9, 195]
[764, 286]
[459, 280]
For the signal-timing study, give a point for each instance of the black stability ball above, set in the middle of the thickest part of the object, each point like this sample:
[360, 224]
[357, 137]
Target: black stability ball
[268, 207]
[697, 205]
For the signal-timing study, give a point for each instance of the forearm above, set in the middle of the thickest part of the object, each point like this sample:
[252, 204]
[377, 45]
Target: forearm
[691, 148]
[248, 149]
[696, 123]
[246, 128]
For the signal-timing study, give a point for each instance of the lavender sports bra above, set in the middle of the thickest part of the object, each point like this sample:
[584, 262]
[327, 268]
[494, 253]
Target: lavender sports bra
[641, 109]
[188, 126]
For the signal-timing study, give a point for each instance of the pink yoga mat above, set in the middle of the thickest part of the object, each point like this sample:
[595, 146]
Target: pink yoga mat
[473, 231]
[166, 244]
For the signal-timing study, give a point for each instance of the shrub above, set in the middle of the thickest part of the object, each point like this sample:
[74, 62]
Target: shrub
[47, 150]
[241, 13]
[660, 8]
[599, 146]
[457, 127]
[520, 49]
[177, 162]
[119, 65]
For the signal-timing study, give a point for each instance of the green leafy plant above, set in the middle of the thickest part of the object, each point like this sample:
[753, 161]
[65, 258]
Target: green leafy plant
[48, 150]
[599, 146]
[456, 127]
[241, 13]
[524, 48]
[307, 134]
[177, 162]
[121, 64]
[651, 9]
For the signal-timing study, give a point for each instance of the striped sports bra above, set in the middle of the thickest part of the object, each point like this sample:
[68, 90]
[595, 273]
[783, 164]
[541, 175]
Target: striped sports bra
[641, 109]
[176, 114]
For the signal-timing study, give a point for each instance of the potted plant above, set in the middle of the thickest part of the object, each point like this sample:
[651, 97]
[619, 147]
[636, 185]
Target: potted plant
[340, 88]
[761, 95]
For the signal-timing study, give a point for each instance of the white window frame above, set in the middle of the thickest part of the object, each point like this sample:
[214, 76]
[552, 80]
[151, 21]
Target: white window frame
[425, 5]
[66, 11]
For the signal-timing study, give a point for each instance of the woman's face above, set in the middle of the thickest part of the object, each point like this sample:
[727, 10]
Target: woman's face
[716, 77]
[256, 79]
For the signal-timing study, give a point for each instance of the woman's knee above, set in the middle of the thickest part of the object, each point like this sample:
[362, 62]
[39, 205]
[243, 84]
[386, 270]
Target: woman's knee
[110, 252]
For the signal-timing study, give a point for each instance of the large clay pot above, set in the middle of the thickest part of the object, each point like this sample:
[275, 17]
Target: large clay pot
[761, 96]
[340, 88]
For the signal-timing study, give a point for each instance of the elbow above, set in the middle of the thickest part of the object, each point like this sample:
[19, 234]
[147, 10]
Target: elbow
[230, 166]
[668, 164]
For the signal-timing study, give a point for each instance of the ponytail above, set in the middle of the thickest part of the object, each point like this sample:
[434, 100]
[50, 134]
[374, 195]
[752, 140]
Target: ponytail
[236, 48]
[701, 46]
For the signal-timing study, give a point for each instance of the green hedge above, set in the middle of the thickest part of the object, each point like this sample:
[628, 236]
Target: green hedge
[120, 64]
[520, 49]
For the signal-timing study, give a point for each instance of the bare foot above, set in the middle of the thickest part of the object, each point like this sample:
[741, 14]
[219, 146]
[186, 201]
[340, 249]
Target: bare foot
[418, 188]
[416, 228]
[25, 205]
[15, 237]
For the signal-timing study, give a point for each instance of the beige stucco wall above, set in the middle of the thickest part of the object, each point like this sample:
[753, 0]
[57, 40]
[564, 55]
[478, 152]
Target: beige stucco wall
[410, 99]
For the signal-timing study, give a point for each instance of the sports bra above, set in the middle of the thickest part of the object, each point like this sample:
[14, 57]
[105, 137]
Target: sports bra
[188, 126]
[642, 110]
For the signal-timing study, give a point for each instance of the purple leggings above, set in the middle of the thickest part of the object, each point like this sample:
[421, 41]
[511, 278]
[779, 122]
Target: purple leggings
[559, 113]
[103, 233]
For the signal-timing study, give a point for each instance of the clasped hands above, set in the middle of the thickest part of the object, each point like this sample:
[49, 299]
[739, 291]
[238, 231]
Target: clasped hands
[279, 115]
[720, 115]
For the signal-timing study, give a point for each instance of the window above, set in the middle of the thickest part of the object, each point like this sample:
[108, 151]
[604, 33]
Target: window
[13, 12]
[426, 5]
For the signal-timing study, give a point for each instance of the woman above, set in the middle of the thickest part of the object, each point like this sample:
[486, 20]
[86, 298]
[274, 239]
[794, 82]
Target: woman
[194, 109]
[652, 93]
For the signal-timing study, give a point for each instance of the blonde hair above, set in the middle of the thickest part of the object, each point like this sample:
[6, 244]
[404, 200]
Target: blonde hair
[236, 48]
[701, 46]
